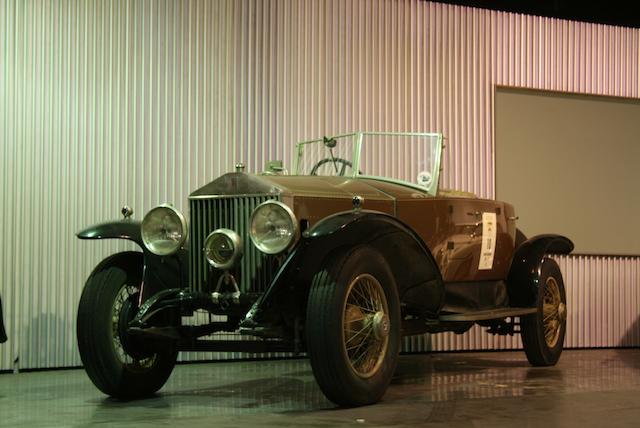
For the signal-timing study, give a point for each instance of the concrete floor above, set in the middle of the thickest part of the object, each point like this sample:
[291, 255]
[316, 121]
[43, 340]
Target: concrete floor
[591, 388]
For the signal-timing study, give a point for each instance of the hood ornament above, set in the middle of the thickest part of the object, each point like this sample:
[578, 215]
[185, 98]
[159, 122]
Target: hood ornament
[357, 202]
[127, 212]
[239, 167]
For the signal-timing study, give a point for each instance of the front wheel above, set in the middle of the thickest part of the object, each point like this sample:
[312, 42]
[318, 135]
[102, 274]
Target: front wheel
[353, 327]
[543, 332]
[120, 365]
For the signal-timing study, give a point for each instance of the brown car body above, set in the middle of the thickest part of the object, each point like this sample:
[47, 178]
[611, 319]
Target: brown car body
[450, 226]
[370, 259]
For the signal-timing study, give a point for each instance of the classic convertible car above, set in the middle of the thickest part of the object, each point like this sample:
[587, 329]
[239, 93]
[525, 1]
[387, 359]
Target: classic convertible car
[340, 259]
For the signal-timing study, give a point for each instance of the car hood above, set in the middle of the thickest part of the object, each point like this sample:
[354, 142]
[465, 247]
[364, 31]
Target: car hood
[305, 186]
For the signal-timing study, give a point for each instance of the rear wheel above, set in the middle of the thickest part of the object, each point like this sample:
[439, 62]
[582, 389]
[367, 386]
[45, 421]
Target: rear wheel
[543, 332]
[353, 327]
[120, 365]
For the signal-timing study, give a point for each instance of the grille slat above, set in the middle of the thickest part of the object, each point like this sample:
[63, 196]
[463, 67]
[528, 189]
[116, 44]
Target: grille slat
[234, 212]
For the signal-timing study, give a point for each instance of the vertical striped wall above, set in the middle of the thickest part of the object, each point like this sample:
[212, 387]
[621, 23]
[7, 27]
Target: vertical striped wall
[104, 103]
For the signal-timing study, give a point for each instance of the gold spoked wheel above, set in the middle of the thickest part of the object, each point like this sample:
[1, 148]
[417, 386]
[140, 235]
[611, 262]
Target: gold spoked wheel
[554, 312]
[365, 325]
[134, 364]
[543, 332]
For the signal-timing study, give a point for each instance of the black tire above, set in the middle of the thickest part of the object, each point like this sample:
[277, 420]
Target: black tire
[120, 365]
[333, 307]
[545, 349]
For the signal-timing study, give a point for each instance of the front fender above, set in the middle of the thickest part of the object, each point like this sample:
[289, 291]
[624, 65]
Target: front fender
[159, 272]
[524, 274]
[417, 275]
[122, 229]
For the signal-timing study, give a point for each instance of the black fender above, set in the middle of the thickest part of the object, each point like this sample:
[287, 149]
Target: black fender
[417, 276]
[524, 274]
[122, 229]
[159, 272]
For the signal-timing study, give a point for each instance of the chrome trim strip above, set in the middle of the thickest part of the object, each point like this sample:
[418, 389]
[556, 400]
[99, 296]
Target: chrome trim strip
[249, 195]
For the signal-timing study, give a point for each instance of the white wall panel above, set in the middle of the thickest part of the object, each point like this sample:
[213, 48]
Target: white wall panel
[139, 102]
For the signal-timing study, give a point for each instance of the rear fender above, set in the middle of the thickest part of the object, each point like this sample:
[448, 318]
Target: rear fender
[158, 272]
[416, 273]
[524, 274]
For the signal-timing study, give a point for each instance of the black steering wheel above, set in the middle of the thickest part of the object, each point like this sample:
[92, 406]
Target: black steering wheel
[335, 161]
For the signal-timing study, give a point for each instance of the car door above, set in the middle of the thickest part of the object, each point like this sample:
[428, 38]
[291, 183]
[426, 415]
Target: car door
[471, 239]
[481, 241]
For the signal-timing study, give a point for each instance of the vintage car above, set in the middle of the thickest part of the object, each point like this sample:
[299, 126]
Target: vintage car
[355, 249]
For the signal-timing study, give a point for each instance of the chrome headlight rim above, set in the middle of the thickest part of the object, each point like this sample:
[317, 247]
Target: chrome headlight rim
[295, 233]
[178, 244]
[237, 248]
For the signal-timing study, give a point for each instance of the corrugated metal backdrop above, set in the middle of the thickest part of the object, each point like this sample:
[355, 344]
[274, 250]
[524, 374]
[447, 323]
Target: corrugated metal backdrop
[110, 102]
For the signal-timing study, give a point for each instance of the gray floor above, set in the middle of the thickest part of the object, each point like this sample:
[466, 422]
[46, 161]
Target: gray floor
[592, 388]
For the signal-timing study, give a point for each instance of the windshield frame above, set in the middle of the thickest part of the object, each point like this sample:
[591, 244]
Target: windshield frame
[358, 138]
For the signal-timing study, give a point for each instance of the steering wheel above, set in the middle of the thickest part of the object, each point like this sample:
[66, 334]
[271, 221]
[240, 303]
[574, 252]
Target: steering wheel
[335, 161]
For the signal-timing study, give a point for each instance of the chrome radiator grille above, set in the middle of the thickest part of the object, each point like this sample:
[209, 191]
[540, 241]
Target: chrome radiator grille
[231, 212]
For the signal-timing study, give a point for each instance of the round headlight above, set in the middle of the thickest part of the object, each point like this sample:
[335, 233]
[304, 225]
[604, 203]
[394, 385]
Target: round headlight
[164, 230]
[222, 248]
[273, 227]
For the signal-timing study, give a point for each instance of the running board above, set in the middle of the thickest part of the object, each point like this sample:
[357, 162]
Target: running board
[488, 314]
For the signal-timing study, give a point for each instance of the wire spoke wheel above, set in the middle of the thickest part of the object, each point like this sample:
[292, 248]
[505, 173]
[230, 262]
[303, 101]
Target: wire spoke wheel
[543, 332]
[353, 326]
[554, 312]
[121, 312]
[365, 325]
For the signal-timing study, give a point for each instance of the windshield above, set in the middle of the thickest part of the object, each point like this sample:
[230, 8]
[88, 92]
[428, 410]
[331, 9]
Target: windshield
[410, 158]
